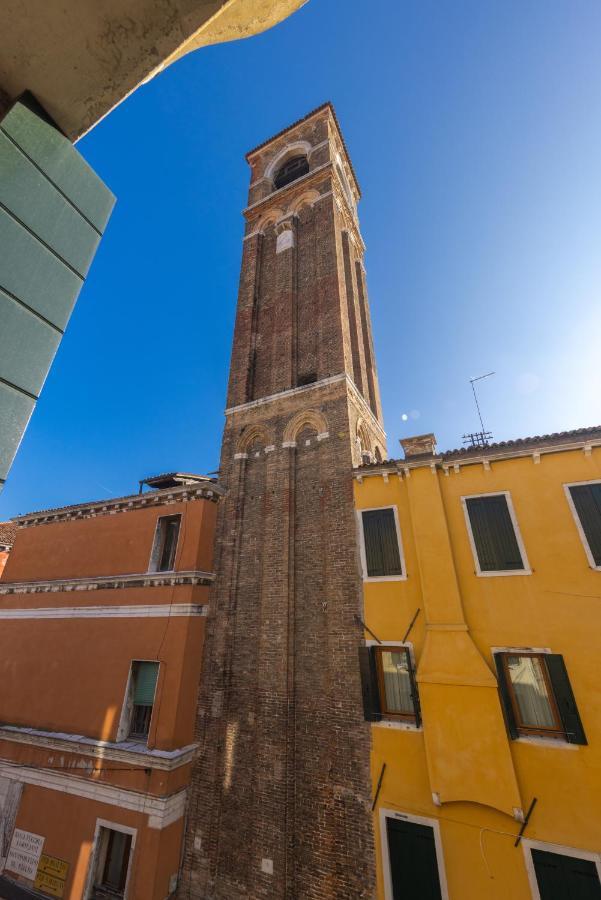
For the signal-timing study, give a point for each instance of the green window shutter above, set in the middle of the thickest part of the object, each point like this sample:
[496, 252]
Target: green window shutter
[587, 500]
[505, 697]
[145, 682]
[369, 684]
[414, 691]
[564, 698]
[381, 543]
[494, 534]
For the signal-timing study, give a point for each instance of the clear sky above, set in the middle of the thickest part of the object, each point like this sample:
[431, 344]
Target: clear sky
[474, 129]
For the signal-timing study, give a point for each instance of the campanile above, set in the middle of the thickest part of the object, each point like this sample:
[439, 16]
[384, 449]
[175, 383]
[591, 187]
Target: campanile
[280, 803]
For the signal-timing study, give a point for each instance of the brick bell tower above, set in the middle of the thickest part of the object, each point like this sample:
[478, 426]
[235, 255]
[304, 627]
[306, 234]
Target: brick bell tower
[280, 798]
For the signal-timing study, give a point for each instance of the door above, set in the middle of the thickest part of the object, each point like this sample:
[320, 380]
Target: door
[561, 877]
[413, 863]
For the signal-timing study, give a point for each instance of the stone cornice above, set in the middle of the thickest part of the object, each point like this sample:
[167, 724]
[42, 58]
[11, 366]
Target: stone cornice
[108, 582]
[125, 752]
[303, 181]
[182, 494]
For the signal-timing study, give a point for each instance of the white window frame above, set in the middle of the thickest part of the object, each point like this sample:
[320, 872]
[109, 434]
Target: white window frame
[418, 820]
[375, 578]
[96, 848]
[128, 703]
[581, 532]
[154, 552]
[516, 530]
[396, 723]
[528, 845]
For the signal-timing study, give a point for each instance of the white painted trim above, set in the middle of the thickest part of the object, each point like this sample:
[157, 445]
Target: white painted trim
[132, 752]
[556, 742]
[252, 404]
[516, 529]
[156, 542]
[529, 845]
[300, 147]
[399, 724]
[572, 505]
[182, 494]
[159, 611]
[108, 582]
[375, 578]
[161, 811]
[93, 863]
[418, 820]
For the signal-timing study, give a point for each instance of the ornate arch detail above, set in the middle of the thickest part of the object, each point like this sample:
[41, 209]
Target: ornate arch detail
[270, 218]
[307, 418]
[295, 149]
[251, 436]
[363, 443]
[306, 199]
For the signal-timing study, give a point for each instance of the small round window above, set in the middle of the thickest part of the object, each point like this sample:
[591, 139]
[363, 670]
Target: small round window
[291, 170]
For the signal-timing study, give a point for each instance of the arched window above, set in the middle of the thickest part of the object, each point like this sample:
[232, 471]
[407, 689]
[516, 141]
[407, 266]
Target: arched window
[291, 170]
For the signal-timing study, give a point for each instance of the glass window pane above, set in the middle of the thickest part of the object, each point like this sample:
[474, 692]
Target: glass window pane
[530, 690]
[397, 683]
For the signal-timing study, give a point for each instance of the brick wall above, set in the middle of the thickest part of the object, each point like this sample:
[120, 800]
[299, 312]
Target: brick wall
[280, 799]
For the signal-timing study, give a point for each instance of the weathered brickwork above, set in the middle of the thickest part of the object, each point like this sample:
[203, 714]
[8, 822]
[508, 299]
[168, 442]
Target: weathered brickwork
[280, 799]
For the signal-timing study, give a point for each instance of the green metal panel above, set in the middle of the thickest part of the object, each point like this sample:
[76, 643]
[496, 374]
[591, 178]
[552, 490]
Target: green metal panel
[27, 346]
[33, 275]
[53, 210]
[15, 410]
[54, 156]
[145, 683]
[35, 202]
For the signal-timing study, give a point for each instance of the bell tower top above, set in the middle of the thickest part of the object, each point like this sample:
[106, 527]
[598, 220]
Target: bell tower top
[317, 141]
[303, 313]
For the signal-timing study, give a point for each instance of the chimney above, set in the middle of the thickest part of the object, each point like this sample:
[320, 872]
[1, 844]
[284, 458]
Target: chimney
[420, 445]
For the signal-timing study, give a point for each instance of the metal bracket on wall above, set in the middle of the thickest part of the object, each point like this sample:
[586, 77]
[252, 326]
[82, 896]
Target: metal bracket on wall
[411, 624]
[363, 625]
[377, 794]
[525, 822]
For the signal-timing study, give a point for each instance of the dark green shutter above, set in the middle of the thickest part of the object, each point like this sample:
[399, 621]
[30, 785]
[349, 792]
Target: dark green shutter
[587, 500]
[505, 696]
[564, 698]
[145, 683]
[414, 691]
[369, 684]
[494, 534]
[381, 543]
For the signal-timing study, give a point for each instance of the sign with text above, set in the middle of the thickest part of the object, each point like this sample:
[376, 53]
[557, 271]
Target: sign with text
[49, 884]
[24, 854]
[50, 865]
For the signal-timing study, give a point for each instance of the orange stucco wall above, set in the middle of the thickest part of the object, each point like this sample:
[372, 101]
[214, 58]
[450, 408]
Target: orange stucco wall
[110, 544]
[68, 824]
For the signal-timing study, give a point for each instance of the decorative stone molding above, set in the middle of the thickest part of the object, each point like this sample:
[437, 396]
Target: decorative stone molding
[296, 148]
[161, 811]
[138, 611]
[306, 418]
[184, 494]
[131, 752]
[252, 404]
[108, 582]
[251, 436]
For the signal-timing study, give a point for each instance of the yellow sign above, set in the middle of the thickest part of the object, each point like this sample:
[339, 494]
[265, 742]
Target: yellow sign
[50, 865]
[49, 884]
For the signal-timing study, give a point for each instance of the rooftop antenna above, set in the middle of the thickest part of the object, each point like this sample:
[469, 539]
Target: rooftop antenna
[478, 438]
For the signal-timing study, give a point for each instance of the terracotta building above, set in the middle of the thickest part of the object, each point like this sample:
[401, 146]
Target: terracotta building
[280, 800]
[481, 671]
[102, 620]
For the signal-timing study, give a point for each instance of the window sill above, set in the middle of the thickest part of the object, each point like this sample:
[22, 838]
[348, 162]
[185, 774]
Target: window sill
[547, 742]
[504, 573]
[397, 725]
[367, 579]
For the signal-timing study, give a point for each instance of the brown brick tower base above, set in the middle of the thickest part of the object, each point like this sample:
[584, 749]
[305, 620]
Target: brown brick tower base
[280, 802]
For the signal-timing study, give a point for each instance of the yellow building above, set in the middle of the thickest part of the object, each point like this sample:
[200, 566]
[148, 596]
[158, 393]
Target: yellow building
[481, 671]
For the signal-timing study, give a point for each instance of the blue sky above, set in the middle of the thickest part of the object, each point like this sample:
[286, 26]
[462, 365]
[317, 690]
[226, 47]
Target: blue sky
[473, 127]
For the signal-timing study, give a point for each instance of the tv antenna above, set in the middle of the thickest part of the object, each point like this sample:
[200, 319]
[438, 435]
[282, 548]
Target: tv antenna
[478, 438]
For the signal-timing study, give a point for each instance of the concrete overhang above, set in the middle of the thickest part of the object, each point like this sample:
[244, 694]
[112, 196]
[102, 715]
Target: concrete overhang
[80, 58]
